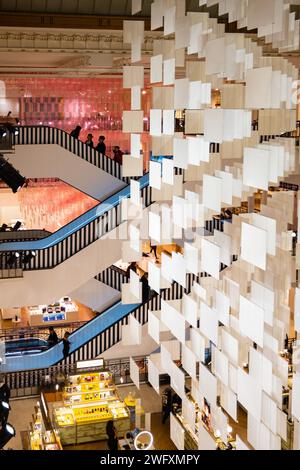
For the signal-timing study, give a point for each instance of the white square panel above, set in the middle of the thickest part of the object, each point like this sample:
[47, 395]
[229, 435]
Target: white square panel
[251, 321]
[254, 245]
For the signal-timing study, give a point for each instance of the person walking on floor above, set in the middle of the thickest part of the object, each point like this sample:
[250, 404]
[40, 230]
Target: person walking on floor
[66, 344]
[112, 436]
[75, 132]
[101, 147]
[52, 338]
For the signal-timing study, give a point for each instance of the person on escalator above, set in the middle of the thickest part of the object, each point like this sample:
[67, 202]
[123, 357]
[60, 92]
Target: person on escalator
[66, 344]
[101, 147]
[52, 338]
[89, 140]
[75, 132]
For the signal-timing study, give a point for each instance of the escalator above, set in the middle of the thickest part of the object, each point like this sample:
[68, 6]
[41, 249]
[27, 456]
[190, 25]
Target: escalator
[68, 258]
[47, 152]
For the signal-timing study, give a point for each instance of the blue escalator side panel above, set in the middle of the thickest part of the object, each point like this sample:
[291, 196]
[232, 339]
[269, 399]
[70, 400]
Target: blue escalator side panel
[77, 339]
[77, 224]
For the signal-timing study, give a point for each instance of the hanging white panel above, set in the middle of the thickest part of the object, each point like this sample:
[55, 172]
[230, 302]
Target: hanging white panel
[136, 98]
[251, 320]
[227, 186]
[296, 396]
[155, 122]
[135, 145]
[221, 366]
[168, 171]
[154, 227]
[177, 380]
[253, 159]
[133, 121]
[176, 431]
[212, 192]
[157, 12]
[135, 195]
[153, 374]
[240, 445]
[254, 245]
[136, 6]
[230, 346]
[134, 373]
[132, 166]
[197, 344]
[190, 310]
[155, 175]
[179, 269]
[198, 150]
[265, 298]
[224, 241]
[168, 121]
[181, 93]
[156, 69]
[205, 441]
[208, 384]
[229, 402]
[189, 361]
[169, 71]
[180, 151]
[269, 225]
[210, 258]
[209, 323]
[133, 76]
[258, 89]
[191, 256]
[261, 369]
[249, 393]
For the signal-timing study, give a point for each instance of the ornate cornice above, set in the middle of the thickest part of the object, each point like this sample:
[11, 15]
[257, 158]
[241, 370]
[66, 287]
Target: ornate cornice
[73, 41]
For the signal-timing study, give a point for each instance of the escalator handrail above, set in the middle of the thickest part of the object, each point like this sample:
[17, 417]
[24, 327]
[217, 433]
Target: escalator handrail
[77, 339]
[76, 224]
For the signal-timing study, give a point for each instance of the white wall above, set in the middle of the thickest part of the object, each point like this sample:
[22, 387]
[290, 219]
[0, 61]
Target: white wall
[96, 295]
[53, 161]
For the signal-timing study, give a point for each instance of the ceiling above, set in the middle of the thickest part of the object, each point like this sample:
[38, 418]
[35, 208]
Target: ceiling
[83, 7]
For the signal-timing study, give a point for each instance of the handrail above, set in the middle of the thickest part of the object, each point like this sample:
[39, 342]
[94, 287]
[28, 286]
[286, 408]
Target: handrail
[76, 224]
[79, 337]
[76, 235]
[51, 135]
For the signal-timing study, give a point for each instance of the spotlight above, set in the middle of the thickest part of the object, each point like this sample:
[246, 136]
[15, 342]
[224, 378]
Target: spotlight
[6, 433]
[17, 132]
[27, 258]
[3, 132]
[4, 412]
[17, 225]
[10, 175]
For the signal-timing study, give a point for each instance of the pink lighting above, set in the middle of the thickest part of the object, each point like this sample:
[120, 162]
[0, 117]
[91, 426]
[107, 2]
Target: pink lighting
[96, 104]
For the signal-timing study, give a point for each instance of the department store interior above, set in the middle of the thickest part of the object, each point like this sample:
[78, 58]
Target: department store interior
[149, 218]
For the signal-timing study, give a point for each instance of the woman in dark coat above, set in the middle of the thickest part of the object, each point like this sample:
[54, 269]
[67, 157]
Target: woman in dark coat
[112, 440]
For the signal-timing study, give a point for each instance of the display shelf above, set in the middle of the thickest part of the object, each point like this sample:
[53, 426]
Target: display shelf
[89, 402]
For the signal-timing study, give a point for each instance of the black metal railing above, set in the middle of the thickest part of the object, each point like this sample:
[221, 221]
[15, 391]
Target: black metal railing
[51, 257]
[51, 135]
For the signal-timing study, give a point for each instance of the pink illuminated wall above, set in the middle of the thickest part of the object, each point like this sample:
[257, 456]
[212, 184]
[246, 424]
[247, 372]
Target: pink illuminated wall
[96, 104]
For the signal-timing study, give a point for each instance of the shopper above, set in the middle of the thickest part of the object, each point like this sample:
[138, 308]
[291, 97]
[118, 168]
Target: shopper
[112, 436]
[145, 288]
[4, 390]
[75, 132]
[118, 154]
[66, 344]
[89, 141]
[101, 147]
[52, 338]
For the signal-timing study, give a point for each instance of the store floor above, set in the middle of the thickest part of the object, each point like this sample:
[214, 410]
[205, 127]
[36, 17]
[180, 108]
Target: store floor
[85, 314]
[21, 415]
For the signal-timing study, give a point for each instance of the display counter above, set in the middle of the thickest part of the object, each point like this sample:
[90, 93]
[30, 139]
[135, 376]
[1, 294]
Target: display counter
[89, 402]
[60, 312]
[42, 439]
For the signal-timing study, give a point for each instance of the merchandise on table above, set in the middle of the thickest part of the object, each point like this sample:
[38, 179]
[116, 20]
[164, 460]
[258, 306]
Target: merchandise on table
[89, 402]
